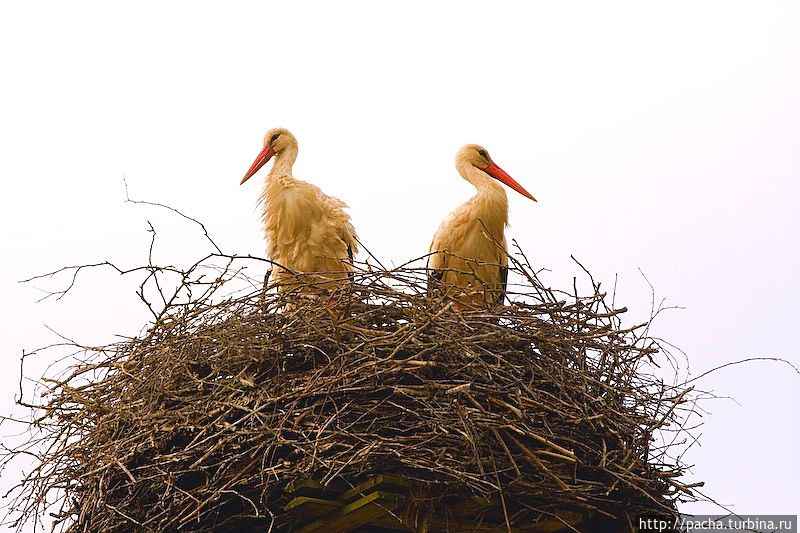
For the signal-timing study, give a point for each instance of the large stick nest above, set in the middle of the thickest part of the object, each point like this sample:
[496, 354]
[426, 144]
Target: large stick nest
[542, 405]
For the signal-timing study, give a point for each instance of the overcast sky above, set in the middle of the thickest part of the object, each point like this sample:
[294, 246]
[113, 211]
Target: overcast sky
[656, 136]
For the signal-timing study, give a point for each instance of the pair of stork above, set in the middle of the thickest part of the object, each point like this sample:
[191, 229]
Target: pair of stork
[308, 231]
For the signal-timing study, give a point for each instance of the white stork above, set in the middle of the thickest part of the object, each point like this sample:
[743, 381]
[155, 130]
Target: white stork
[306, 230]
[469, 257]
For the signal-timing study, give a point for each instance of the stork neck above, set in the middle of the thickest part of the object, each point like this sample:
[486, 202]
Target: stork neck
[280, 175]
[491, 201]
[284, 160]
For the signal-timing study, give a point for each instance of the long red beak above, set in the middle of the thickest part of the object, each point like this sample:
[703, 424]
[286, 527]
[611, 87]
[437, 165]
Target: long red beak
[500, 175]
[263, 156]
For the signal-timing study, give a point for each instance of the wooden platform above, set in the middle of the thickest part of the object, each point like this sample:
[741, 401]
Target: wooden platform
[377, 505]
[381, 503]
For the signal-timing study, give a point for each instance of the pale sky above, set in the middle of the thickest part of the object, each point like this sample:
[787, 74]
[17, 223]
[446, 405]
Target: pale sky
[657, 136]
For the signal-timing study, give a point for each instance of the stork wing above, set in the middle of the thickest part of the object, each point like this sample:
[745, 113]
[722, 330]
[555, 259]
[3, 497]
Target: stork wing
[501, 296]
[351, 275]
[435, 277]
[503, 262]
[436, 267]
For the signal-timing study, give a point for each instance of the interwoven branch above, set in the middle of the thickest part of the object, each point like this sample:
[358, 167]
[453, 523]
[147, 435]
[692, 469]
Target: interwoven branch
[542, 405]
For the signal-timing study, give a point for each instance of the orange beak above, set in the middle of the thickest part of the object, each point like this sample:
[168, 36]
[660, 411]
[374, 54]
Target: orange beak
[261, 160]
[500, 175]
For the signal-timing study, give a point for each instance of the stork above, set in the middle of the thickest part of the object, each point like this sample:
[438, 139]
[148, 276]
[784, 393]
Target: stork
[468, 255]
[306, 230]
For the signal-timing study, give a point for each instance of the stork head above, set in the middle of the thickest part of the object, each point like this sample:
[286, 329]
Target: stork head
[478, 157]
[275, 141]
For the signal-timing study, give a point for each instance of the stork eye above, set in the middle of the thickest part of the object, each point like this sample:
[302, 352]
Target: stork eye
[274, 138]
[483, 154]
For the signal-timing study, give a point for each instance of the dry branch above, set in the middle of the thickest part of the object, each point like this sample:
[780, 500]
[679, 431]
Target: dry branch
[541, 406]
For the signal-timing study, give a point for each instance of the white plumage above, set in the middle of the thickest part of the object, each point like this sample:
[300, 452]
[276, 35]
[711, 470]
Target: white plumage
[307, 231]
[469, 257]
